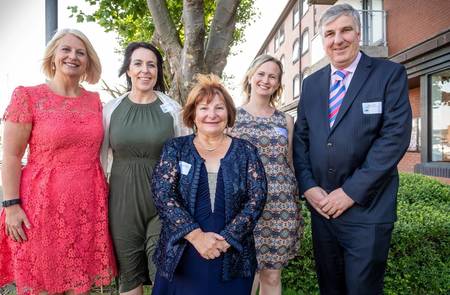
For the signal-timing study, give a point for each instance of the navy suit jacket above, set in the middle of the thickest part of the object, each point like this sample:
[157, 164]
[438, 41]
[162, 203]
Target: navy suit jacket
[361, 151]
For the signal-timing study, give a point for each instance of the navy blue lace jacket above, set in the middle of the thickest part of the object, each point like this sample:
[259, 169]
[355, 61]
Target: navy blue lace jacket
[174, 185]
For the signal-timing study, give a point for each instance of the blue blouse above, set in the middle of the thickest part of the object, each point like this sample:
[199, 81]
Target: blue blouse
[174, 184]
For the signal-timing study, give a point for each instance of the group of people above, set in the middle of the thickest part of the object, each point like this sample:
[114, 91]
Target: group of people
[202, 199]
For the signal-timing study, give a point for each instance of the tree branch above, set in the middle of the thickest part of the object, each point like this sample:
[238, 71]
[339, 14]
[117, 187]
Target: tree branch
[221, 36]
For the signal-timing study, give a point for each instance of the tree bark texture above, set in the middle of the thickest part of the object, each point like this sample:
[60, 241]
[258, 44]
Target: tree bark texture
[198, 54]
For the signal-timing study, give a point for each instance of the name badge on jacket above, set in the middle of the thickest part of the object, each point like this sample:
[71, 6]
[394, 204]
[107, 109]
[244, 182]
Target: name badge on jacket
[370, 108]
[281, 131]
[167, 108]
[184, 167]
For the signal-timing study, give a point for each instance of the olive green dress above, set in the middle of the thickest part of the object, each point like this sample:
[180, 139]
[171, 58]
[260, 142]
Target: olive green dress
[137, 134]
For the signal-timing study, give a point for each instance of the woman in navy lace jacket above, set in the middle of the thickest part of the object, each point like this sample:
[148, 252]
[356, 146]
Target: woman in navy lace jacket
[210, 190]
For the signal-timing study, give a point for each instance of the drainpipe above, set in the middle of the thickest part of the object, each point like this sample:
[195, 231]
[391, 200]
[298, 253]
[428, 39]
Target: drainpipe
[300, 9]
[51, 19]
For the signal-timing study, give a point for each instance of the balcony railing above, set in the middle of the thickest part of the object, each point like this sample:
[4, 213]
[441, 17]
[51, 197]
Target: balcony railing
[373, 27]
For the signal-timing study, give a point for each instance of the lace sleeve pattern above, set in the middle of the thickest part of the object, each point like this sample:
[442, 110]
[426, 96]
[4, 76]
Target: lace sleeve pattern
[245, 221]
[167, 198]
[19, 109]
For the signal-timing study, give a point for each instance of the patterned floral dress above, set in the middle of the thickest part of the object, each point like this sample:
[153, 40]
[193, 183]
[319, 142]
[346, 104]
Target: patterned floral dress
[277, 234]
[64, 194]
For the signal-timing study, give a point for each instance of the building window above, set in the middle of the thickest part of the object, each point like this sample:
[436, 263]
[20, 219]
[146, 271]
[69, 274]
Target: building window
[283, 97]
[279, 38]
[440, 116]
[305, 41]
[305, 6]
[414, 144]
[296, 15]
[296, 51]
[296, 86]
[282, 63]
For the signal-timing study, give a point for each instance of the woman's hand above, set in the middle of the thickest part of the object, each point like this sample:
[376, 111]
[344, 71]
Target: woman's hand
[209, 245]
[223, 246]
[15, 216]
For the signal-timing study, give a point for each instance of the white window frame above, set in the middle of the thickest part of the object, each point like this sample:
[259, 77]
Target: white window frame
[305, 42]
[296, 51]
[296, 86]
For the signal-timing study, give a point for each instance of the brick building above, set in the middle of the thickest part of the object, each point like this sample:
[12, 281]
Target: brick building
[415, 33]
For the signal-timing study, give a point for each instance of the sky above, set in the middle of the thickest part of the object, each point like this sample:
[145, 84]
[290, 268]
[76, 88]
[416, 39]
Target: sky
[22, 33]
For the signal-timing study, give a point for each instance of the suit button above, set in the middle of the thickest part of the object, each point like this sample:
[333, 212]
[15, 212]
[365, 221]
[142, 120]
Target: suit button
[329, 144]
[330, 170]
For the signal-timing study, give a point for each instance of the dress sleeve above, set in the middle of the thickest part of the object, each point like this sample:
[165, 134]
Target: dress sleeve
[99, 102]
[174, 215]
[245, 221]
[19, 109]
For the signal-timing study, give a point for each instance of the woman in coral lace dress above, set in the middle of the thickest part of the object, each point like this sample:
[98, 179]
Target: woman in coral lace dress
[54, 234]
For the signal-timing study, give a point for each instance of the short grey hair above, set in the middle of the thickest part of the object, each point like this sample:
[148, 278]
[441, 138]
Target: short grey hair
[336, 11]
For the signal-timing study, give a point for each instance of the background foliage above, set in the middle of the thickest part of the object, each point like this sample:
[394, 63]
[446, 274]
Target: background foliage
[132, 21]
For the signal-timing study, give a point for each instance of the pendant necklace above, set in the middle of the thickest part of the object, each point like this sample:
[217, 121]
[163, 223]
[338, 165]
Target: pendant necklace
[213, 148]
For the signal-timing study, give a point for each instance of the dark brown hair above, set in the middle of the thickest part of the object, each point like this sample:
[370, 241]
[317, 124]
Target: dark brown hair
[160, 85]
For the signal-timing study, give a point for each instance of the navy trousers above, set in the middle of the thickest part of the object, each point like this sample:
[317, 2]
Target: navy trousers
[350, 257]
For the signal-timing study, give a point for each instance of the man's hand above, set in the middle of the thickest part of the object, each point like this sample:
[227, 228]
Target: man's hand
[338, 203]
[317, 198]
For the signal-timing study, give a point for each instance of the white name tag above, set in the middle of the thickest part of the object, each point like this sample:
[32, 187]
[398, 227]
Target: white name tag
[166, 108]
[281, 131]
[184, 167]
[370, 108]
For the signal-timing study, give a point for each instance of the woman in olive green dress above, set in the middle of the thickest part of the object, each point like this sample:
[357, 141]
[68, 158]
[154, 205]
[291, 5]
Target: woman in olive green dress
[136, 126]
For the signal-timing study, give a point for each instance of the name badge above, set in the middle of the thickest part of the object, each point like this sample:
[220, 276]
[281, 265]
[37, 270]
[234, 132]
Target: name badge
[281, 131]
[166, 108]
[185, 167]
[370, 108]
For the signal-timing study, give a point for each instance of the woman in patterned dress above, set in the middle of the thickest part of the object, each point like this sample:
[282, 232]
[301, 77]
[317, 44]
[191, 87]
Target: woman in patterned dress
[270, 130]
[54, 235]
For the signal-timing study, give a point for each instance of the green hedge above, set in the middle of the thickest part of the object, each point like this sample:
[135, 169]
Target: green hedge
[419, 258]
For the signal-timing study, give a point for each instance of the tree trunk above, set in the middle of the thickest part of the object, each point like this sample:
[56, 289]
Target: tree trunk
[220, 36]
[194, 36]
[170, 42]
[193, 56]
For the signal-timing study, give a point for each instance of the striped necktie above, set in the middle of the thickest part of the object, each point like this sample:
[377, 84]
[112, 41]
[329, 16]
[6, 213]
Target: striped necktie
[337, 93]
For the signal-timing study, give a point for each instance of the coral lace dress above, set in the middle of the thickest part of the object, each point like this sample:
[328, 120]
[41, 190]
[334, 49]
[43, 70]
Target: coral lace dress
[64, 195]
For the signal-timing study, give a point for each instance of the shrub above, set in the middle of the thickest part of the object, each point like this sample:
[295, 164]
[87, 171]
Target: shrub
[419, 258]
[416, 188]
[299, 277]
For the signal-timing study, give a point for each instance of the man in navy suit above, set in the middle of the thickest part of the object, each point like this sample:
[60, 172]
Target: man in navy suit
[353, 127]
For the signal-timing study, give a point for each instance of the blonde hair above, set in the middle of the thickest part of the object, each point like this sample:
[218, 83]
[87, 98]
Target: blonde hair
[93, 69]
[207, 86]
[256, 63]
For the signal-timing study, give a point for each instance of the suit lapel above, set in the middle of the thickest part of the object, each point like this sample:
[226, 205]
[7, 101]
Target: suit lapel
[359, 77]
[323, 87]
